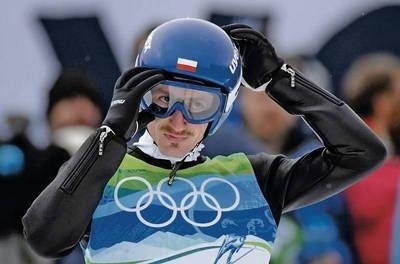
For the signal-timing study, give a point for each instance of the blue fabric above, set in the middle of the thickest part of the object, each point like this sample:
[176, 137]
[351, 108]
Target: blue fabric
[321, 230]
[12, 160]
[213, 210]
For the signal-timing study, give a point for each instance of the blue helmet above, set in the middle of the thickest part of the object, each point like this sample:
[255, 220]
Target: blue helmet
[195, 52]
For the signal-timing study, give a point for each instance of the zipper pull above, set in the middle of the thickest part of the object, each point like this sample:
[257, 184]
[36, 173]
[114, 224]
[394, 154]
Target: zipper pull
[103, 136]
[292, 73]
[175, 168]
[172, 174]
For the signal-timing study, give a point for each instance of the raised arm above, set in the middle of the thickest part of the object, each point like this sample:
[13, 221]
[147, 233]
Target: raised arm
[350, 150]
[60, 215]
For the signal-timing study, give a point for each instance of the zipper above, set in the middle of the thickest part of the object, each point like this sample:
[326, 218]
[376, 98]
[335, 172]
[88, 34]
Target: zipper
[103, 136]
[85, 162]
[309, 85]
[172, 174]
[175, 168]
[292, 74]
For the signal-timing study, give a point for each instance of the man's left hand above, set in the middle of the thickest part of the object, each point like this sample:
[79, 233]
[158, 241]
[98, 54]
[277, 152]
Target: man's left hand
[260, 61]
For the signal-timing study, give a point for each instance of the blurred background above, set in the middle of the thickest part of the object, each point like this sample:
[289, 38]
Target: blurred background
[29, 62]
[42, 40]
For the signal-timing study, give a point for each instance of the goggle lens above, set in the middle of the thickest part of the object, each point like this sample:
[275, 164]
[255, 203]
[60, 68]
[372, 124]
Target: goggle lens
[197, 106]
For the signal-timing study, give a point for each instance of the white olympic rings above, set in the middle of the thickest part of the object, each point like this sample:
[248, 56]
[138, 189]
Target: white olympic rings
[187, 202]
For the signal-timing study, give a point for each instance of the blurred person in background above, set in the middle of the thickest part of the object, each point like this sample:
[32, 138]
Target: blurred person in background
[283, 133]
[74, 109]
[266, 122]
[73, 112]
[372, 88]
[18, 158]
[98, 198]
[394, 132]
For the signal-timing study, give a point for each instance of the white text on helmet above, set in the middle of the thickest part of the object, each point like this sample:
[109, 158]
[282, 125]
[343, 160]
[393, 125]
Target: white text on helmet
[234, 62]
[147, 44]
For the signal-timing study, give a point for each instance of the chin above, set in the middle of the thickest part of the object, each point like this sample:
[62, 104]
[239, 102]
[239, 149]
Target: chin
[173, 151]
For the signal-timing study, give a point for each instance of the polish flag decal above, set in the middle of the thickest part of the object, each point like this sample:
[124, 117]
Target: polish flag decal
[186, 65]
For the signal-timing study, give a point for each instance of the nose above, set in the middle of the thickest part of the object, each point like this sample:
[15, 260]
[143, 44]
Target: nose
[178, 120]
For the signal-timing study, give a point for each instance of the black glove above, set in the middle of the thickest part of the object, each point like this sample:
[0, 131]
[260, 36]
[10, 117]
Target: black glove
[260, 61]
[128, 92]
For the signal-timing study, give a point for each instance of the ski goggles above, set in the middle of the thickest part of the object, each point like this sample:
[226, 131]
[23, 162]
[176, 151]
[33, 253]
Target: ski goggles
[197, 103]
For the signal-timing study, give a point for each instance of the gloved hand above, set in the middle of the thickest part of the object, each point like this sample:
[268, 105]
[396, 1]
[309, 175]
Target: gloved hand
[123, 116]
[260, 61]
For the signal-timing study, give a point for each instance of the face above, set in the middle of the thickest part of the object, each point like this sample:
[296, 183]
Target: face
[386, 102]
[73, 112]
[175, 136]
[263, 117]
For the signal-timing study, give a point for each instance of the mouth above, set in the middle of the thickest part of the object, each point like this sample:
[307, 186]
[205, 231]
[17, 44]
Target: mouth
[174, 137]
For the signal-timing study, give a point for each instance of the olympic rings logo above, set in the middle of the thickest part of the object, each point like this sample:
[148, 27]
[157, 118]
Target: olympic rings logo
[188, 201]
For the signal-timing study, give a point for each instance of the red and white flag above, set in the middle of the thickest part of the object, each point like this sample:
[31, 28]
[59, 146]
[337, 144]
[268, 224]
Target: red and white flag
[186, 65]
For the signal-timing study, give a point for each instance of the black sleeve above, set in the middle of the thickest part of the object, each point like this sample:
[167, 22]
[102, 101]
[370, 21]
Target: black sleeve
[350, 149]
[58, 218]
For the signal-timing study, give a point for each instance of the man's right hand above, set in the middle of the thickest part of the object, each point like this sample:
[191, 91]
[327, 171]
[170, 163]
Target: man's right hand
[123, 116]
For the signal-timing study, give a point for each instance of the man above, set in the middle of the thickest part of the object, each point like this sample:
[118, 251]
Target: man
[164, 201]
[372, 88]
[74, 109]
